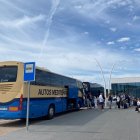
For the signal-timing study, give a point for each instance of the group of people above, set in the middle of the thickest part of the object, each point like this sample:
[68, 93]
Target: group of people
[94, 101]
[124, 101]
[121, 101]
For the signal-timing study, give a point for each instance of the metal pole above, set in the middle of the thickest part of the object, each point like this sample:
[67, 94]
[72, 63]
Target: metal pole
[110, 77]
[103, 79]
[28, 107]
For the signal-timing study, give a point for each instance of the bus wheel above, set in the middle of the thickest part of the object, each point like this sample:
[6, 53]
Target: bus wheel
[51, 112]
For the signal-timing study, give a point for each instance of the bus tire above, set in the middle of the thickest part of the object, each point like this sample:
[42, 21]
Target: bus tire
[51, 112]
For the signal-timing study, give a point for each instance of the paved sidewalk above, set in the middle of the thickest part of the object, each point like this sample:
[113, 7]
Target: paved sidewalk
[114, 124]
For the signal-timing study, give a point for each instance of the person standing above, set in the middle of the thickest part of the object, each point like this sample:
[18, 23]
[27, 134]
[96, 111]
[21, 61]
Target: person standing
[84, 100]
[110, 101]
[95, 101]
[101, 101]
[138, 105]
[89, 98]
[118, 101]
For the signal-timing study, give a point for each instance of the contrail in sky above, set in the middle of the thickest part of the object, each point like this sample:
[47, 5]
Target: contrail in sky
[55, 4]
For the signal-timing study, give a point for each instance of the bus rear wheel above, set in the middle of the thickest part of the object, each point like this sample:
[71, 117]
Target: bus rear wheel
[51, 112]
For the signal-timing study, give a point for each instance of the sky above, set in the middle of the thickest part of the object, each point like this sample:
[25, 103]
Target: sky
[89, 40]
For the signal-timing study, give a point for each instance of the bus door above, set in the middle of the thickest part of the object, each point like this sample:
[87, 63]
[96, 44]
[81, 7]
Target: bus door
[72, 97]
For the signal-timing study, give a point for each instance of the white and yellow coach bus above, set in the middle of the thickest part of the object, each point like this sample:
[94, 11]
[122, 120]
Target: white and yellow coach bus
[50, 93]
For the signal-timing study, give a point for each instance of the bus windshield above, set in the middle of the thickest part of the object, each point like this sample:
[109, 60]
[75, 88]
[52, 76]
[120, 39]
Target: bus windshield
[8, 74]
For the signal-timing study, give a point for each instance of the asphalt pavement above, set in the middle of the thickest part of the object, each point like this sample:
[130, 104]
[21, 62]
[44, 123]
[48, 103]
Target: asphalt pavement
[87, 124]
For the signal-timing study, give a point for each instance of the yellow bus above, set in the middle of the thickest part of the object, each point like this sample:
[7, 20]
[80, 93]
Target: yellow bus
[50, 93]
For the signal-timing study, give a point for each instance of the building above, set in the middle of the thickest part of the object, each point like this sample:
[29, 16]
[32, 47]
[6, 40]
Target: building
[127, 85]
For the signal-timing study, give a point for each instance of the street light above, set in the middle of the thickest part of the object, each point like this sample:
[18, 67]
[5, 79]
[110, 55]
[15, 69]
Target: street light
[109, 86]
[110, 77]
[103, 78]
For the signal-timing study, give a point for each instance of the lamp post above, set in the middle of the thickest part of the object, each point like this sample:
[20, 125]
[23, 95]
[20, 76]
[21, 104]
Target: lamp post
[111, 74]
[103, 79]
[110, 78]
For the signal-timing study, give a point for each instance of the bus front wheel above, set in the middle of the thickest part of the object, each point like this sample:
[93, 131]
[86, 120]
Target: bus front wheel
[51, 112]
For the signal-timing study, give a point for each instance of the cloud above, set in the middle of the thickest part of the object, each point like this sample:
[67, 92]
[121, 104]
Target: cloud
[137, 49]
[24, 21]
[75, 57]
[123, 47]
[86, 33]
[16, 42]
[78, 6]
[107, 11]
[113, 29]
[110, 43]
[11, 5]
[67, 61]
[136, 18]
[123, 39]
[68, 33]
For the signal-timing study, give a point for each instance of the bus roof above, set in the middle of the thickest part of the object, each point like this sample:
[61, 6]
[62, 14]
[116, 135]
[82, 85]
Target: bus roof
[9, 62]
[37, 67]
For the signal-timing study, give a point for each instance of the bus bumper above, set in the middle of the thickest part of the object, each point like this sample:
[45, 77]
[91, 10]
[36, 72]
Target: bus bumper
[11, 115]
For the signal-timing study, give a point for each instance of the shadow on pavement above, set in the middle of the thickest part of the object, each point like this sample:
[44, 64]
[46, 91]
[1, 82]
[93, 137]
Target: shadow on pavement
[80, 117]
[67, 118]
